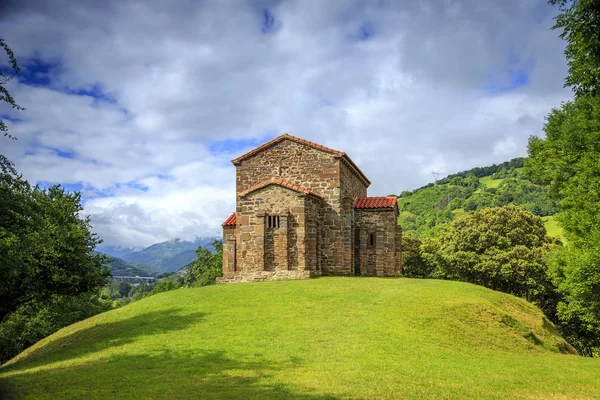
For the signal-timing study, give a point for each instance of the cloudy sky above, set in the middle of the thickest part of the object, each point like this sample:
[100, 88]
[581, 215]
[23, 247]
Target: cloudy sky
[141, 105]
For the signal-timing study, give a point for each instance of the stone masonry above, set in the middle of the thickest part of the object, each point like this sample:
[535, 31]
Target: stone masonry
[302, 210]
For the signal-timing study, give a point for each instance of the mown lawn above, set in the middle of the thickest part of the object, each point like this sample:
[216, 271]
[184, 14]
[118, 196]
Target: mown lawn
[326, 338]
[489, 182]
[553, 228]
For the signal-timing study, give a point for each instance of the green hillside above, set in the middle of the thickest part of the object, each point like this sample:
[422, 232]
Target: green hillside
[324, 338]
[120, 267]
[174, 263]
[425, 210]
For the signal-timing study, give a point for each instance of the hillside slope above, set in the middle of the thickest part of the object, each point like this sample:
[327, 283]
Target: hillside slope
[323, 338]
[425, 210]
[120, 267]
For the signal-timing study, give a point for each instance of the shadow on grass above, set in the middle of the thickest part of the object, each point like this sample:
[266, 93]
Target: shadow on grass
[164, 374]
[102, 336]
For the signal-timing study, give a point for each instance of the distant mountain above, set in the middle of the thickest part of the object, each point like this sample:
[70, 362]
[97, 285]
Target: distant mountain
[174, 263]
[114, 251]
[169, 256]
[120, 267]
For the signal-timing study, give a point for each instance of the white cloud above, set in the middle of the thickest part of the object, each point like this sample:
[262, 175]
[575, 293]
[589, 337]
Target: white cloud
[413, 97]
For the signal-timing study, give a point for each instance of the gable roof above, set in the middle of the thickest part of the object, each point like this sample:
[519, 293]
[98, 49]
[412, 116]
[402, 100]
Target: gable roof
[375, 202]
[230, 221]
[341, 154]
[280, 182]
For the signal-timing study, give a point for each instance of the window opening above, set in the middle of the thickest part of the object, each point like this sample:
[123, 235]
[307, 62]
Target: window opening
[273, 221]
[371, 240]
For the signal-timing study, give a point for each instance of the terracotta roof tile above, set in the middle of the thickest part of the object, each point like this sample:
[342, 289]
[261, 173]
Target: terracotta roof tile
[230, 221]
[308, 143]
[375, 202]
[280, 182]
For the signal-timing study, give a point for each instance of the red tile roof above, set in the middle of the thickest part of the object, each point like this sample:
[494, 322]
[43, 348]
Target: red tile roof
[280, 182]
[230, 221]
[308, 143]
[375, 202]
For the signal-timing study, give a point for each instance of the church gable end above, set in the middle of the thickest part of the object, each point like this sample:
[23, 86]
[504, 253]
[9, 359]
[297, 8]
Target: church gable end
[298, 214]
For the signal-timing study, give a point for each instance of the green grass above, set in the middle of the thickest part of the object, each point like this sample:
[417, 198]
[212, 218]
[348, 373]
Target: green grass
[489, 182]
[327, 338]
[553, 228]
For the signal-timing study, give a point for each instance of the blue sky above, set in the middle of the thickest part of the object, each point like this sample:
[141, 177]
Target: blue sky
[141, 106]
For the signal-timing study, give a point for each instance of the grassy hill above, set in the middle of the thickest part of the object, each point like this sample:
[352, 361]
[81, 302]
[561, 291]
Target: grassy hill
[324, 338]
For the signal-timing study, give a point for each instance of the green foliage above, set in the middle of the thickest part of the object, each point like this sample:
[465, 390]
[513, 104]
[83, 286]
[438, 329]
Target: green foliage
[576, 273]
[4, 78]
[120, 267]
[500, 248]
[414, 264]
[117, 290]
[46, 249]
[164, 285]
[34, 321]
[207, 266]
[567, 160]
[140, 291]
[424, 211]
[580, 24]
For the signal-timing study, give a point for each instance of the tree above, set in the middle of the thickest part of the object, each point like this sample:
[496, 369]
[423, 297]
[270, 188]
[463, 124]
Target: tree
[4, 78]
[576, 273]
[207, 266]
[46, 249]
[499, 248]
[413, 263]
[580, 22]
[567, 160]
[34, 321]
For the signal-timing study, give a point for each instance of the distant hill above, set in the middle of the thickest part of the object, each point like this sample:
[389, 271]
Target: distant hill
[120, 267]
[174, 263]
[169, 256]
[425, 210]
[327, 338]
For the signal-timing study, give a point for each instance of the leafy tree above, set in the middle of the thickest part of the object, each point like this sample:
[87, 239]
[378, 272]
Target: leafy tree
[414, 265]
[4, 78]
[499, 248]
[580, 22]
[117, 289]
[207, 266]
[46, 249]
[576, 273]
[567, 160]
[165, 285]
[34, 321]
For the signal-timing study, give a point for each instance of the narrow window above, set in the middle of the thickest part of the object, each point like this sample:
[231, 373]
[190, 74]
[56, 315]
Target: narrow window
[371, 240]
[273, 221]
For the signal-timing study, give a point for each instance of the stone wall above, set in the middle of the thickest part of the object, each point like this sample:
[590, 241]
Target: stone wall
[380, 259]
[322, 173]
[260, 248]
[298, 163]
[229, 260]
[258, 276]
[314, 240]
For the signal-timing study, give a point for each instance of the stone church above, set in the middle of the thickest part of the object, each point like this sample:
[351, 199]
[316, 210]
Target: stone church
[302, 210]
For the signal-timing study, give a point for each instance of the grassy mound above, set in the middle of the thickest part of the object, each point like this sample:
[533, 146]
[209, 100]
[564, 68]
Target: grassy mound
[323, 338]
